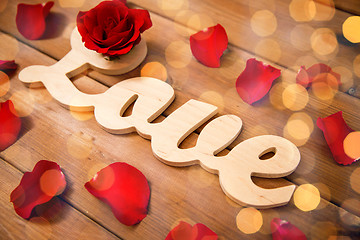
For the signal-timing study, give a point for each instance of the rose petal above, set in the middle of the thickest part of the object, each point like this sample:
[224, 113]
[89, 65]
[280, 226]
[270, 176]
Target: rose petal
[125, 189]
[335, 131]
[255, 81]
[284, 230]
[208, 45]
[184, 231]
[30, 19]
[8, 66]
[307, 76]
[10, 124]
[37, 187]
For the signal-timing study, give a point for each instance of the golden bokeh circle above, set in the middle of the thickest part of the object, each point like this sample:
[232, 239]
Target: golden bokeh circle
[295, 97]
[355, 180]
[269, 49]
[351, 28]
[298, 128]
[300, 37]
[347, 80]
[199, 21]
[325, 86]
[4, 83]
[306, 197]
[49, 182]
[155, 70]
[263, 23]
[325, 10]
[23, 103]
[213, 98]
[323, 41]
[302, 10]
[249, 220]
[178, 54]
[276, 95]
[356, 65]
[351, 145]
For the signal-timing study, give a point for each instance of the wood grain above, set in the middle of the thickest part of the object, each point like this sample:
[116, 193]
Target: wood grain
[82, 148]
[59, 220]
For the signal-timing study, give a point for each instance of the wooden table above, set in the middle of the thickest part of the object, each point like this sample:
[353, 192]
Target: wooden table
[82, 148]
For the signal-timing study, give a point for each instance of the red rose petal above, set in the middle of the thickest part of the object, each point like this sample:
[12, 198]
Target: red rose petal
[256, 80]
[125, 189]
[184, 231]
[10, 125]
[8, 66]
[208, 45]
[37, 187]
[284, 230]
[335, 131]
[30, 19]
[307, 76]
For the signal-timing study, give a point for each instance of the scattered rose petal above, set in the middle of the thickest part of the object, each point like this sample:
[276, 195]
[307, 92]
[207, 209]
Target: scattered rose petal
[30, 19]
[125, 189]
[37, 187]
[315, 73]
[256, 80]
[284, 230]
[335, 131]
[208, 45]
[8, 66]
[185, 231]
[10, 124]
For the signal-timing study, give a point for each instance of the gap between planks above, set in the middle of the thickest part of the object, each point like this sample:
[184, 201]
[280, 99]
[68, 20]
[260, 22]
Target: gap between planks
[2, 158]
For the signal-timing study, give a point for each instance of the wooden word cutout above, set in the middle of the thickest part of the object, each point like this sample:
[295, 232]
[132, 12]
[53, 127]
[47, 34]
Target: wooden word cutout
[152, 97]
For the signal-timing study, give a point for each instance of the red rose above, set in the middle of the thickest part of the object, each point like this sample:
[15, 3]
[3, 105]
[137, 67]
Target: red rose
[111, 28]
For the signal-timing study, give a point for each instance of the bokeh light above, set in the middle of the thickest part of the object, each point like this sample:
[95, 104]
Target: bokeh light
[200, 21]
[351, 145]
[213, 98]
[71, 3]
[38, 228]
[155, 70]
[263, 23]
[302, 10]
[351, 29]
[269, 49]
[276, 95]
[300, 36]
[306, 197]
[178, 54]
[355, 179]
[325, 10]
[104, 179]
[325, 194]
[325, 86]
[81, 116]
[299, 128]
[323, 41]
[11, 45]
[356, 65]
[172, 5]
[183, 16]
[323, 230]
[249, 220]
[4, 83]
[347, 80]
[79, 145]
[52, 182]
[23, 103]
[305, 60]
[295, 97]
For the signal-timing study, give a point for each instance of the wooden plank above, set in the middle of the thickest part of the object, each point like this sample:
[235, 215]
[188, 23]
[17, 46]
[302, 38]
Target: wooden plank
[81, 148]
[289, 46]
[61, 220]
[348, 6]
[231, 103]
